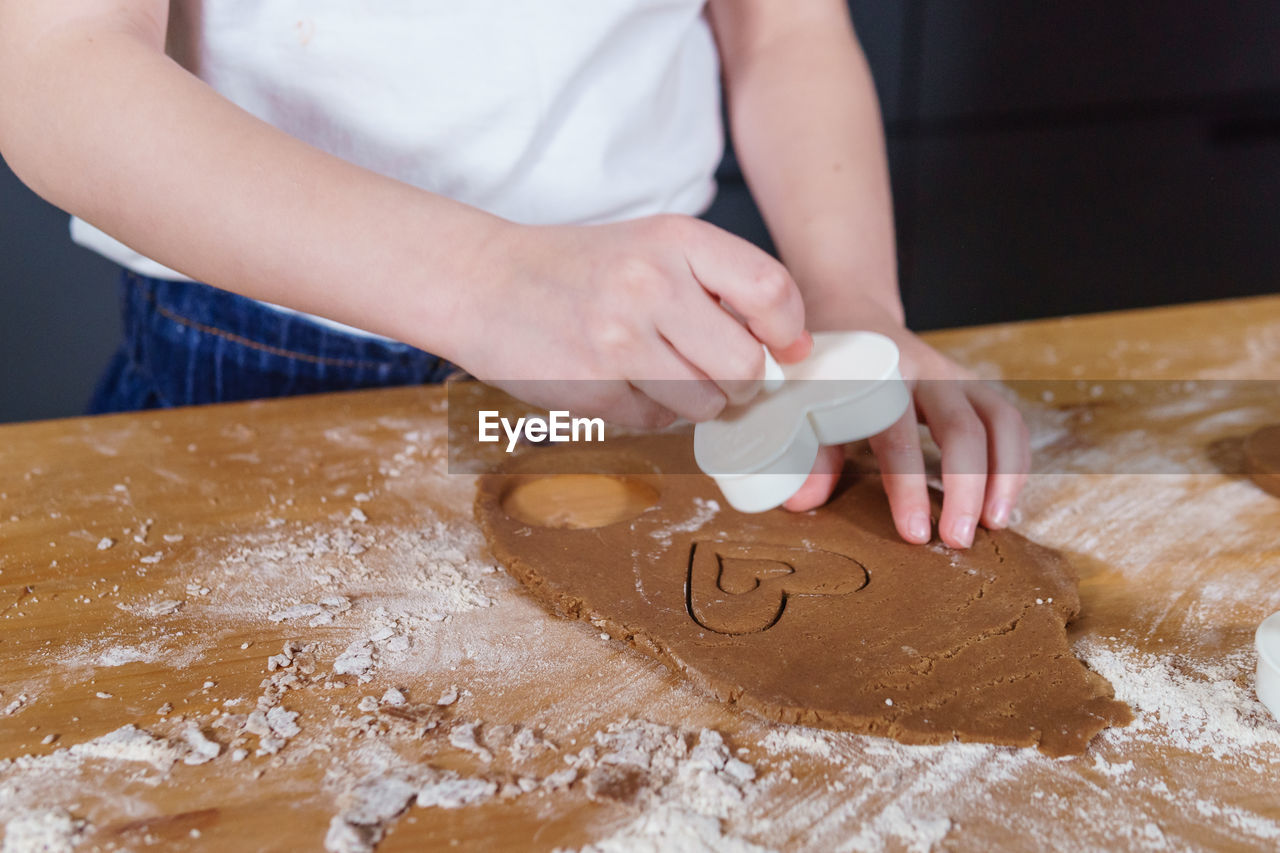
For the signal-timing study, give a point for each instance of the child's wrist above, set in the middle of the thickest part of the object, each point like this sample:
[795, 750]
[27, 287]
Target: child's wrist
[446, 306]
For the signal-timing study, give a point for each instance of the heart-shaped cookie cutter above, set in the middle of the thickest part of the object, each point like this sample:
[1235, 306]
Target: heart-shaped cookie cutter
[1268, 643]
[761, 453]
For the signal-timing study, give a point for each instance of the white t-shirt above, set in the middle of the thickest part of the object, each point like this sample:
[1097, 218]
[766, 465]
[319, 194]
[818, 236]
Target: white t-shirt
[542, 112]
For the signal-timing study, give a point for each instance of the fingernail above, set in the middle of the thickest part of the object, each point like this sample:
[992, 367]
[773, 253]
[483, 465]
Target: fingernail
[962, 530]
[919, 528]
[1000, 513]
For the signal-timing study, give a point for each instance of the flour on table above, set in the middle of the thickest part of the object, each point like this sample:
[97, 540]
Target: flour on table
[129, 743]
[201, 750]
[365, 810]
[419, 612]
[283, 723]
[356, 660]
[17, 704]
[368, 807]
[683, 783]
[448, 790]
[111, 651]
[298, 611]
[129, 753]
[1197, 706]
[464, 738]
[667, 828]
[121, 655]
[43, 831]
[794, 738]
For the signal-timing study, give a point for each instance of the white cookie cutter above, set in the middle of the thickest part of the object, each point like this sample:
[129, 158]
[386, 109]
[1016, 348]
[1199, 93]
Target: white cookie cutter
[761, 453]
[1268, 643]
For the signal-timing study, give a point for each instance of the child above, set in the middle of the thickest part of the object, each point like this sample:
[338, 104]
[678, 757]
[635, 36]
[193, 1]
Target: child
[509, 186]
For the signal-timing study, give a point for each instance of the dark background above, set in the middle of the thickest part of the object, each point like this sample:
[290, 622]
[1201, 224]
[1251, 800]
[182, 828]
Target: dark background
[1047, 158]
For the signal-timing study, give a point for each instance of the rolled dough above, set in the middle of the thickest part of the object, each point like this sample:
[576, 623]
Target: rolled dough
[1262, 458]
[824, 618]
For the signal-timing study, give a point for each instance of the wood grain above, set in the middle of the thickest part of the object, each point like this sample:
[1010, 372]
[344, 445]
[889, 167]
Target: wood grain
[239, 480]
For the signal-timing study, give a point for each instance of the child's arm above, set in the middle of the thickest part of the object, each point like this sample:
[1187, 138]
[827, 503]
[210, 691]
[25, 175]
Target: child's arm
[96, 118]
[807, 131]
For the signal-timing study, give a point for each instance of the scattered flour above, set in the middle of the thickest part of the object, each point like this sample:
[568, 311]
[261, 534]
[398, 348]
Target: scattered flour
[366, 809]
[798, 739]
[356, 660]
[704, 511]
[128, 743]
[401, 605]
[667, 828]
[31, 785]
[464, 738]
[43, 831]
[121, 655]
[1188, 704]
[298, 611]
[914, 833]
[364, 812]
[202, 750]
[283, 723]
[690, 780]
[109, 652]
[448, 790]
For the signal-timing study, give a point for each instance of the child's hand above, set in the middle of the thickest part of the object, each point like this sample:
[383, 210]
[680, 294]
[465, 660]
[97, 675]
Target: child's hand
[635, 306]
[985, 450]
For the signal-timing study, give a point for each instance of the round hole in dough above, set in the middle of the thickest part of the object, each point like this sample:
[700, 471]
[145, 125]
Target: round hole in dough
[578, 501]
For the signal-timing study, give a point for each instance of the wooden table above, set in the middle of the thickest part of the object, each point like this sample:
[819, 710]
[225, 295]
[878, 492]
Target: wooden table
[143, 557]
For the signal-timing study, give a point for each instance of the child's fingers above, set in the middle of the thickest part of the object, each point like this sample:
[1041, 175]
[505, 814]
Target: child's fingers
[636, 409]
[797, 352]
[614, 400]
[962, 437]
[683, 389]
[821, 483]
[1002, 491]
[752, 283]
[1009, 448]
[716, 344]
[902, 472]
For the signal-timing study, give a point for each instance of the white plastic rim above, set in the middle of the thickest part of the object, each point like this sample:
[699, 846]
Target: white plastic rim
[1268, 642]
[760, 454]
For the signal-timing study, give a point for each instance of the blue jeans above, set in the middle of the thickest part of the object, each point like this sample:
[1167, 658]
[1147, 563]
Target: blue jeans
[187, 343]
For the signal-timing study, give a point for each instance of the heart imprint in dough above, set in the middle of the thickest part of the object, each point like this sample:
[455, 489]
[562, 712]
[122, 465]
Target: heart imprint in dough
[741, 589]
[825, 618]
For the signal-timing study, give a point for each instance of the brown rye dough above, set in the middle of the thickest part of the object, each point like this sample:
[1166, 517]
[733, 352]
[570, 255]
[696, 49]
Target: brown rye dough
[1262, 458]
[825, 618]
